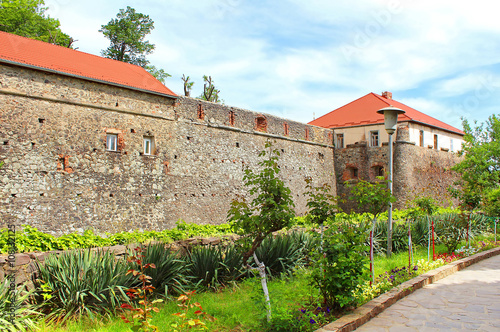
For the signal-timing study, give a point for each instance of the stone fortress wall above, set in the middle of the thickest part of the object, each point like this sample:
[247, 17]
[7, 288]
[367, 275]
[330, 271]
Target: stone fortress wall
[417, 170]
[59, 177]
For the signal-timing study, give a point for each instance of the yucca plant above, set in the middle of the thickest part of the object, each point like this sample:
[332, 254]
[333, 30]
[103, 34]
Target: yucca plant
[23, 313]
[214, 266]
[281, 253]
[169, 276]
[81, 282]
[420, 231]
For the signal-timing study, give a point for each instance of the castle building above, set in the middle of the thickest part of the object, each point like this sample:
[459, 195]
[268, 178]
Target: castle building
[359, 121]
[89, 142]
[424, 148]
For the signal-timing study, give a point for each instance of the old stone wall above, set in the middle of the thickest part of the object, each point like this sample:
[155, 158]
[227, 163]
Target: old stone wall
[417, 170]
[59, 176]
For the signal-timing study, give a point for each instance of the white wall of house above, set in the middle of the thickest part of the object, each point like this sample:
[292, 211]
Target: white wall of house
[446, 141]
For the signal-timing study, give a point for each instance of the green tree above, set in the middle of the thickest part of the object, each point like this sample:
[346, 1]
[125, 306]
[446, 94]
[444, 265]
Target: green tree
[270, 210]
[127, 33]
[375, 198]
[321, 203]
[159, 74]
[27, 18]
[210, 93]
[480, 166]
[188, 85]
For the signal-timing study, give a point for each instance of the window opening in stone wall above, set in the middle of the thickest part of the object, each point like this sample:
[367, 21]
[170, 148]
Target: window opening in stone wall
[231, 118]
[261, 124]
[353, 172]
[148, 145]
[421, 138]
[286, 129]
[321, 156]
[41, 120]
[339, 143]
[132, 131]
[307, 134]
[378, 171]
[111, 142]
[374, 138]
[436, 142]
[237, 144]
[201, 112]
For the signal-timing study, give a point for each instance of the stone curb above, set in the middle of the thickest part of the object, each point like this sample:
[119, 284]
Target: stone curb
[367, 311]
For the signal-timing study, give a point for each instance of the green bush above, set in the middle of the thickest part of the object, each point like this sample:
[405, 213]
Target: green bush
[81, 282]
[214, 266]
[169, 274]
[451, 229]
[284, 252]
[22, 314]
[342, 265]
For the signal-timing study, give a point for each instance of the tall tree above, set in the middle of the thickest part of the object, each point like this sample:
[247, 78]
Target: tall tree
[127, 33]
[27, 18]
[480, 166]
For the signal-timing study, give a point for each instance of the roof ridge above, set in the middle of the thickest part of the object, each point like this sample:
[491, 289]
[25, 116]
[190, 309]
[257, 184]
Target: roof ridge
[340, 107]
[382, 98]
[24, 51]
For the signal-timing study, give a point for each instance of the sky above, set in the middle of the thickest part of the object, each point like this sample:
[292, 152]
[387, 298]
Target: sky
[301, 59]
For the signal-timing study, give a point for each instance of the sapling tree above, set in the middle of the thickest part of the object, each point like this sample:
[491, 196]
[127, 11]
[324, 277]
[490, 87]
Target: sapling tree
[270, 210]
[321, 203]
[374, 197]
[427, 206]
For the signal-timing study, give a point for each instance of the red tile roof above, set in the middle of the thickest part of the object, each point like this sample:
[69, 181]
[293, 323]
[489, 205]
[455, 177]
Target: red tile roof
[34, 53]
[363, 111]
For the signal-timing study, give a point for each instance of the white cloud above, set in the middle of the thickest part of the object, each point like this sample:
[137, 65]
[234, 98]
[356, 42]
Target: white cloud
[295, 57]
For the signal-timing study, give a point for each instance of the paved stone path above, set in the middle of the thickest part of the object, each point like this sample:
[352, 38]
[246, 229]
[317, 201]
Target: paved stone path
[468, 300]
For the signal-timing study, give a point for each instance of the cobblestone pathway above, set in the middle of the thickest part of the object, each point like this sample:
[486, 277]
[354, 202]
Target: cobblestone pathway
[468, 300]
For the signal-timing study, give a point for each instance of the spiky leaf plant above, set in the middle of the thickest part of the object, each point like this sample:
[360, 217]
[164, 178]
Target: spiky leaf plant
[169, 276]
[281, 253]
[21, 320]
[214, 266]
[82, 282]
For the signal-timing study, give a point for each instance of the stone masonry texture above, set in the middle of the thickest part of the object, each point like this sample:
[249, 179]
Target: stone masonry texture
[59, 177]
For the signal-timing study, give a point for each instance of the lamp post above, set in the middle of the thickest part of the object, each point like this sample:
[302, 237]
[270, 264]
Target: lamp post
[390, 120]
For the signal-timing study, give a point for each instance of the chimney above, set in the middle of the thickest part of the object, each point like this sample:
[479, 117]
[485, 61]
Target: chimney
[387, 95]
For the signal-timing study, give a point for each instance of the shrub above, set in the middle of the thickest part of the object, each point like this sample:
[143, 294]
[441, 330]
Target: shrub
[343, 264]
[22, 314]
[451, 229]
[168, 276]
[213, 266]
[282, 253]
[81, 282]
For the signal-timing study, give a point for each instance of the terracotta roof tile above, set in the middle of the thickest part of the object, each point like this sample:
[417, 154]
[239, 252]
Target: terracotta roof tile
[33, 53]
[363, 111]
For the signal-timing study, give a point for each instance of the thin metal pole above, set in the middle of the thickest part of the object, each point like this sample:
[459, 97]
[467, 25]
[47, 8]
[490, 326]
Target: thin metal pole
[389, 222]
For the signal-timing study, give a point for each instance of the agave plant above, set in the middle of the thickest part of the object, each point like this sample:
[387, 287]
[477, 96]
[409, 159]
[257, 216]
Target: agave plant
[214, 266]
[169, 276]
[22, 314]
[282, 253]
[81, 282]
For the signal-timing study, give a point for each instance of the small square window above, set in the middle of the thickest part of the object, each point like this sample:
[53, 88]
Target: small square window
[111, 142]
[374, 138]
[148, 145]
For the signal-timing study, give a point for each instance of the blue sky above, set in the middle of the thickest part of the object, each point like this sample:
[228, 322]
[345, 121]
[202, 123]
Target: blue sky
[302, 59]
